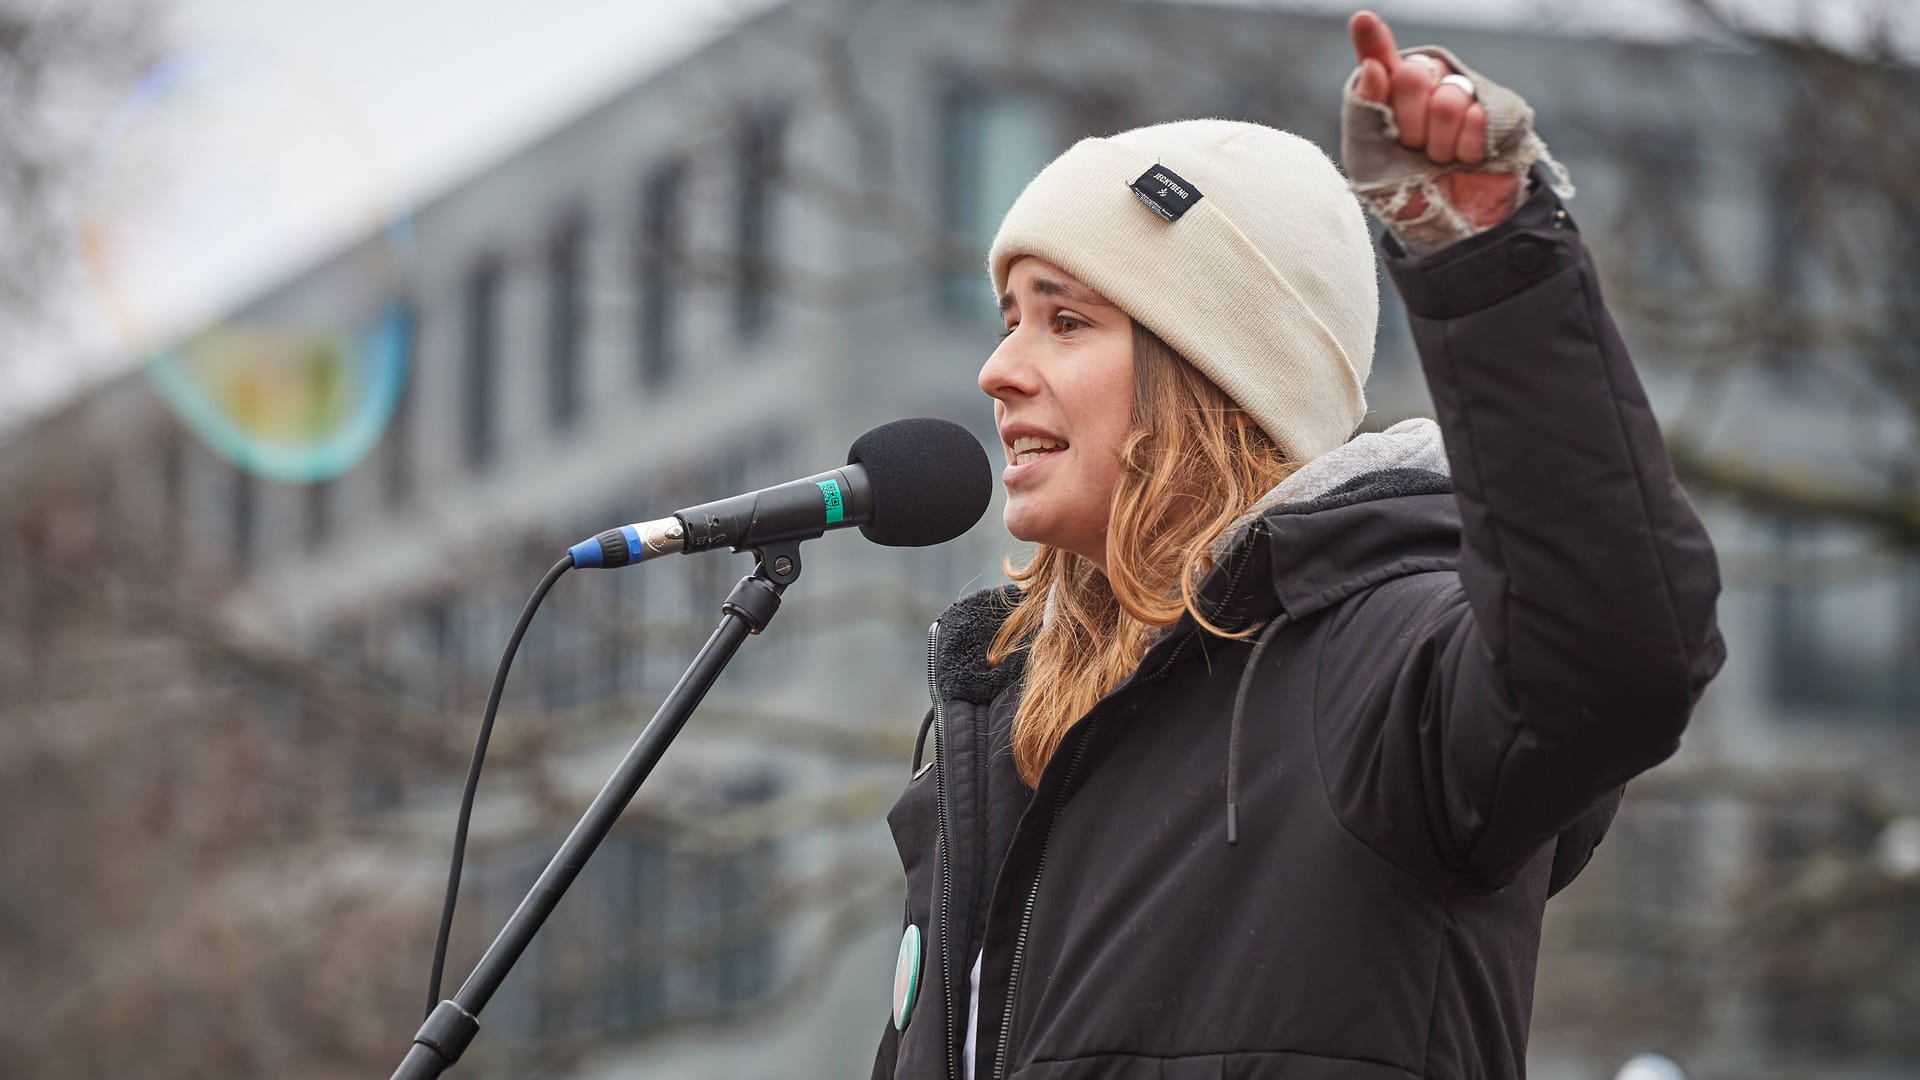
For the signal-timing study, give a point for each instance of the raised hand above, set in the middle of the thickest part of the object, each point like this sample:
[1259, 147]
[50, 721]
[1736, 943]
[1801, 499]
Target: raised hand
[1443, 121]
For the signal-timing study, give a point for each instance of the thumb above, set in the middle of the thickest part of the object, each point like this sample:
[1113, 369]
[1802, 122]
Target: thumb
[1372, 40]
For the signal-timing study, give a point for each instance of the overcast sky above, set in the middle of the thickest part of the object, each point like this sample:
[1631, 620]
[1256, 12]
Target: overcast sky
[304, 119]
[450, 84]
[395, 99]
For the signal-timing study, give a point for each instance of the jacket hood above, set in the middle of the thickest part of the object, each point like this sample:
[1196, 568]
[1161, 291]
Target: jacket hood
[1353, 517]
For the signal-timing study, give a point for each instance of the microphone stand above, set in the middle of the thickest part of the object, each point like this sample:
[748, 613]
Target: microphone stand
[450, 1028]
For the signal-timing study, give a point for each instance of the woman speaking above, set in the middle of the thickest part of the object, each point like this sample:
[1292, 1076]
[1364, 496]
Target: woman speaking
[1267, 761]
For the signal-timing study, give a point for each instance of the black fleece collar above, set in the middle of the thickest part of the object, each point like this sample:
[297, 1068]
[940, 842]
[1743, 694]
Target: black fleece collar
[966, 629]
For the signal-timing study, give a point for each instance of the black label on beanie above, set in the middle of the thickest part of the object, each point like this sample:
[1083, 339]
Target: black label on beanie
[1164, 192]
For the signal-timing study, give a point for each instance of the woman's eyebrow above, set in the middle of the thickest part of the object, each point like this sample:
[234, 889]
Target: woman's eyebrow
[1049, 287]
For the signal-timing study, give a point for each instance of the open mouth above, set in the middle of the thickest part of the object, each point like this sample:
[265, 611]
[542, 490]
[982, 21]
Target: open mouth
[1032, 448]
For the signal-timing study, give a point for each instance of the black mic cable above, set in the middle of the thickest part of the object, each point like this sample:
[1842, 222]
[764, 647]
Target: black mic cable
[909, 483]
[473, 777]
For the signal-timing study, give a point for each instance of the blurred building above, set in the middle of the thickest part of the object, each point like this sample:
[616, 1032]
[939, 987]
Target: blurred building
[719, 277]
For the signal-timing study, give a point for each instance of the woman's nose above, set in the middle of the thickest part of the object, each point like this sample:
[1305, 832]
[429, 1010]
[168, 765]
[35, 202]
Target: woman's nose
[1008, 372]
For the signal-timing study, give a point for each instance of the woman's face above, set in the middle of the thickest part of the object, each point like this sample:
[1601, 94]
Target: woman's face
[1062, 387]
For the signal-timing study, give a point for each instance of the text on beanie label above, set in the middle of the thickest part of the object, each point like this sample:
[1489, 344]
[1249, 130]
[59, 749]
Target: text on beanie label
[1165, 192]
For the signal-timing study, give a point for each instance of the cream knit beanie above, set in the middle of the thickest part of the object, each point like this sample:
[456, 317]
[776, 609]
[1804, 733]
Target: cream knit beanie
[1239, 245]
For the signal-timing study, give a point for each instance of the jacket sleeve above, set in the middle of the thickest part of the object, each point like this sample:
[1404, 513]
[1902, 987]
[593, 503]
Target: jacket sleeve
[1582, 630]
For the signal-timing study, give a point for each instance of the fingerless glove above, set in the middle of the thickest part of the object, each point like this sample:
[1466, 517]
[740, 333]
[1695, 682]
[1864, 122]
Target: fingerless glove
[1385, 174]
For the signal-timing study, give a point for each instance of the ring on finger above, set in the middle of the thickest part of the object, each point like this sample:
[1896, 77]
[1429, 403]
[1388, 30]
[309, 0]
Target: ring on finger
[1464, 83]
[1434, 68]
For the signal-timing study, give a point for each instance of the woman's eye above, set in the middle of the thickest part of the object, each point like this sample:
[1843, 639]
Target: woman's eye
[1058, 320]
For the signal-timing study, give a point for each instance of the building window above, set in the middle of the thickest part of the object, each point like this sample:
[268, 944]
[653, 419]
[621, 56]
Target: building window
[396, 473]
[443, 640]
[173, 494]
[244, 511]
[738, 882]
[566, 670]
[319, 524]
[757, 157]
[1394, 350]
[417, 651]
[479, 423]
[1659, 220]
[1842, 322]
[566, 315]
[656, 930]
[1807, 223]
[1903, 280]
[659, 248]
[991, 144]
[1845, 628]
[637, 880]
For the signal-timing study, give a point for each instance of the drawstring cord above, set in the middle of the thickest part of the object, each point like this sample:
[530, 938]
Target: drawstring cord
[1233, 731]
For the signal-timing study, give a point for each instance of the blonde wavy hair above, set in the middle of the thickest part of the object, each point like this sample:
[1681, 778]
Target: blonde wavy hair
[1193, 463]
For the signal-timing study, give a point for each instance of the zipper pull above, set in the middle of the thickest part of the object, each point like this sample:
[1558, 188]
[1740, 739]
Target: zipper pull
[933, 653]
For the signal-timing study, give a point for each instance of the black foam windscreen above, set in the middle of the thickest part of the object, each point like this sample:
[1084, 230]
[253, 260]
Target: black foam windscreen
[930, 479]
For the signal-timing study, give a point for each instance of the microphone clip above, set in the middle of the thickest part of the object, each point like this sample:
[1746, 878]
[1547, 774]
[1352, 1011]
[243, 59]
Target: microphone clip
[779, 562]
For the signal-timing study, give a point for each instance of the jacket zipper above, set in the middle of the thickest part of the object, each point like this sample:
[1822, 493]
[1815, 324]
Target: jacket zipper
[1026, 914]
[946, 849]
[1040, 865]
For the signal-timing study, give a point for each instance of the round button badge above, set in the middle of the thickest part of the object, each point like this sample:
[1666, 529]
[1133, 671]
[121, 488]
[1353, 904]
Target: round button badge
[906, 977]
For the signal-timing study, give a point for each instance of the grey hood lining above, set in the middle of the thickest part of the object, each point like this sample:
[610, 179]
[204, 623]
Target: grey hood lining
[1413, 443]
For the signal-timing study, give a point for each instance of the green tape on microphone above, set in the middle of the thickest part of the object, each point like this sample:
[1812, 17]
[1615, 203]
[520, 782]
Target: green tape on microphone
[836, 506]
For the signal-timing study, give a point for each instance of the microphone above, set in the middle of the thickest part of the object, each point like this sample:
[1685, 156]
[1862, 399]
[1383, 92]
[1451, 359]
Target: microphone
[909, 483]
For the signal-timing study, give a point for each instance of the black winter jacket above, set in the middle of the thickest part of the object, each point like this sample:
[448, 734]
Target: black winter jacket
[1454, 677]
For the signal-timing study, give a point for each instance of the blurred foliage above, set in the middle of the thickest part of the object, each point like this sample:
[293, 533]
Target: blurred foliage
[62, 69]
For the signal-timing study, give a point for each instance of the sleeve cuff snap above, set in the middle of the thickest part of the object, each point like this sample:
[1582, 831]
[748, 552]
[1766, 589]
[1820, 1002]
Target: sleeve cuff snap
[1536, 242]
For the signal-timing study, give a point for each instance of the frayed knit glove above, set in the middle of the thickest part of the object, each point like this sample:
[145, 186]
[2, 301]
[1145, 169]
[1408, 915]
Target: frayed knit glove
[1385, 174]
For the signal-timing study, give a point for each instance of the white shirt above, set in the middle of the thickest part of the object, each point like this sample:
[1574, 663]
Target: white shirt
[973, 1011]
